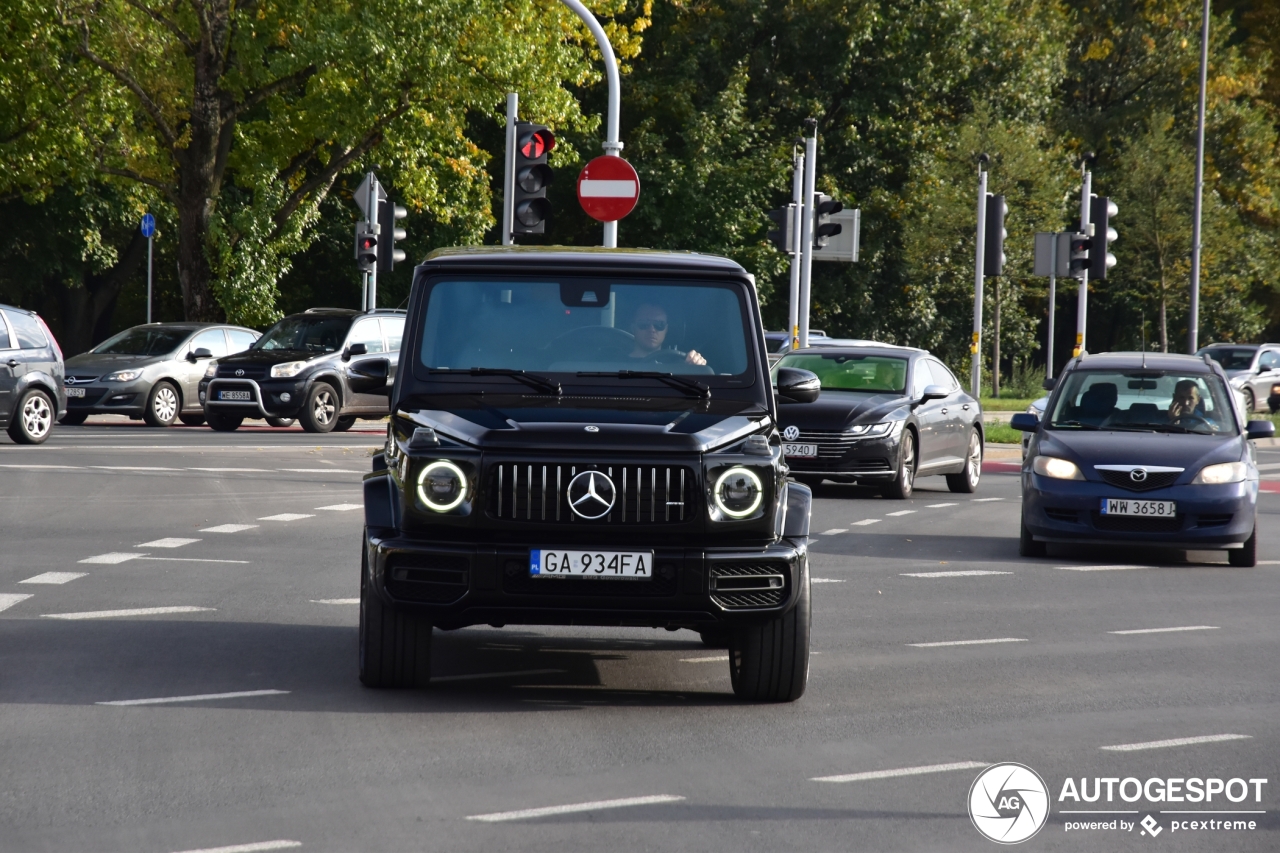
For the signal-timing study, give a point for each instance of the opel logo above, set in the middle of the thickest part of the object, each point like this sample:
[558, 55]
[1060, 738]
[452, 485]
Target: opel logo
[791, 433]
[240, 372]
[591, 495]
[1138, 475]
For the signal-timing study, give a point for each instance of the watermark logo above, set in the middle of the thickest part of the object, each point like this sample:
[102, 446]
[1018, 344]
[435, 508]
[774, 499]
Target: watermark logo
[1149, 825]
[1008, 803]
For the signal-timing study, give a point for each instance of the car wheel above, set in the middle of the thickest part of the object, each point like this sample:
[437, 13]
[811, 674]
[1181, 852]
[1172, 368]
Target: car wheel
[192, 420]
[1250, 403]
[280, 422]
[809, 480]
[966, 482]
[1246, 557]
[320, 413]
[770, 662]
[1028, 546]
[162, 405]
[715, 638]
[904, 482]
[345, 423]
[73, 418]
[219, 422]
[395, 648]
[34, 419]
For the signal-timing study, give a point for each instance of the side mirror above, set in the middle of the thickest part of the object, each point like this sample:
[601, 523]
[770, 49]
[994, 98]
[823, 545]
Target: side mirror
[934, 392]
[1259, 429]
[1027, 422]
[354, 349]
[197, 354]
[370, 377]
[798, 386]
[1049, 384]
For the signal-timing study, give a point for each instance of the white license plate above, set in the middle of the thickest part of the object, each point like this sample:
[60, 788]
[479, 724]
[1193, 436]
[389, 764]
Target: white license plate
[1150, 509]
[604, 565]
[235, 395]
[75, 392]
[800, 450]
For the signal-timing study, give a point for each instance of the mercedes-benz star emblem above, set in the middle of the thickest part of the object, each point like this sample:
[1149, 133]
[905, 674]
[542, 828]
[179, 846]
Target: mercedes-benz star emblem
[592, 428]
[791, 433]
[1138, 475]
[240, 372]
[591, 495]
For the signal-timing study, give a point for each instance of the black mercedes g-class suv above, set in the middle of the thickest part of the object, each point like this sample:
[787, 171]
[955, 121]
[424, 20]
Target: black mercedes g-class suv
[586, 437]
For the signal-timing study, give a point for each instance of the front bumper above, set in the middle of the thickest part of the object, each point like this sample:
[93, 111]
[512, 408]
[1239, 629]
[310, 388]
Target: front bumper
[455, 584]
[110, 398]
[872, 459]
[264, 397]
[1208, 517]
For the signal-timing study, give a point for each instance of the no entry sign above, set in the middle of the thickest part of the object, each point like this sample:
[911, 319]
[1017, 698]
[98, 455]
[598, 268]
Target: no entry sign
[608, 188]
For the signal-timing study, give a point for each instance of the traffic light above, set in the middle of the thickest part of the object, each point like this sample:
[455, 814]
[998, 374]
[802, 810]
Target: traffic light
[532, 177]
[993, 251]
[823, 227]
[366, 247]
[782, 236]
[388, 254]
[1080, 246]
[1100, 212]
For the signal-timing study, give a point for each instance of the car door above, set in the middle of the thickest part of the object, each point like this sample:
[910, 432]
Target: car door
[9, 365]
[956, 415]
[1268, 374]
[929, 417]
[392, 332]
[366, 331]
[191, 372]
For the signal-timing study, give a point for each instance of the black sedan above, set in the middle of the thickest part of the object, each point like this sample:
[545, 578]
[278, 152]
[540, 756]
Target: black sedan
[885, 415]
[1143, 449]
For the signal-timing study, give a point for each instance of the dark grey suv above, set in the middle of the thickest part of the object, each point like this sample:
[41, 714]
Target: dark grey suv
[31, 395]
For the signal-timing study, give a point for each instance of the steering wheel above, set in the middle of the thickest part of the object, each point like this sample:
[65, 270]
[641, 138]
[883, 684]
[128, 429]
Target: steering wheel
[1196, 416]
[600, 342]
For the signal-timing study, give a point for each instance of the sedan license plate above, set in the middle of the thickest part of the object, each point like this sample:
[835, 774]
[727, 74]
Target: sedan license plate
[235, 395]
[809, 450]
[1149, 509]
[602, 565]
[75, 392]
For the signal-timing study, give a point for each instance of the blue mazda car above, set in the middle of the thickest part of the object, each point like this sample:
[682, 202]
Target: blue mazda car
[1138, 448]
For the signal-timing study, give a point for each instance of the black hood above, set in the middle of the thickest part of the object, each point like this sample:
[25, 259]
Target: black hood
[835, 411]
[271, 357]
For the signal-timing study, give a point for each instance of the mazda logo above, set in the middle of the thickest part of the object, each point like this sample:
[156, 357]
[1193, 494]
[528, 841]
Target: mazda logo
[1138, 475]
[591, 495]
[240, 372]
[791, 433]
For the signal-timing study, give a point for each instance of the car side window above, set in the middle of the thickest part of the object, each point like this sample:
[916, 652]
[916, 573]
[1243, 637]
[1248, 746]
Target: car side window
[4, 333]
[921, 377]
[1270, 360]
[213, 340]
[943, 376]
[369, 333]
[240, 340]
[27, 330]
[393, 330]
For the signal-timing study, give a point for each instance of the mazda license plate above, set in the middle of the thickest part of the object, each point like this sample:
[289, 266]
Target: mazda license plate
[1150, 509]
[244, 396]
[75, 392]
[803, 450]
[602, 565]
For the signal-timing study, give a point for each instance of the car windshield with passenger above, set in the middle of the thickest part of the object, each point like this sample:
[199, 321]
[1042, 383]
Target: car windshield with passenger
[876, 374]
[143, 340]
[1145, 400]
[306, 333]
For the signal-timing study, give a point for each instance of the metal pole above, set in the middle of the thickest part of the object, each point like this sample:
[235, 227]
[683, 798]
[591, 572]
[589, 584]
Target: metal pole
[797, 197]
[612, 145]
[1053, 301]
[150, 241]
[373, 228]
[975, 348]
[509, 173]
[1082, 307]
[1193, 321]
[806, 236]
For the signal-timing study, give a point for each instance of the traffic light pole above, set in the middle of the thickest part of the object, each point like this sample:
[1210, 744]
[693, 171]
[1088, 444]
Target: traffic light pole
[1082, 308]
[1053, 304]
[1193, 320]
[797, 193]
[806, 235]
[150, 241]
[975, 347]
[509, 173]
[371, 282]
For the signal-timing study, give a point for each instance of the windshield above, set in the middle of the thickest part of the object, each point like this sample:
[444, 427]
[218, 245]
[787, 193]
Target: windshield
[1231, 358]
[143, 340]
[586, 325]
[1164, 401]
[878, 374]
[306, 333]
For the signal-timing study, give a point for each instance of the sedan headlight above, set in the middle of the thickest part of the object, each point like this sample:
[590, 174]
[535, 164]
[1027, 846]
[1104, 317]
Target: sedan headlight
[442, 486]
[211, 370]
[287, 370]
[1223, 472]
[738, 492]
[1058, 469]
[122, 376]
[1032, 410]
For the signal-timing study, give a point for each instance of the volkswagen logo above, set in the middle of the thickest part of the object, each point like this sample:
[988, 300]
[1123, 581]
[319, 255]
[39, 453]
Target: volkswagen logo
[1138, 475]
[791, 433]
[591, 495]
[240, 371]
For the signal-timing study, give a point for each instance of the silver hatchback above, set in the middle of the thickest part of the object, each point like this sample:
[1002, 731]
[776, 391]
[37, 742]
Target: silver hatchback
[150, 372]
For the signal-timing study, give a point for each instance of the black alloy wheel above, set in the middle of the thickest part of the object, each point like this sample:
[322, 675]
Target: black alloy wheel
[904, 482]
[163, 405]
[966, 481]
[1246, 557]
[770, 662]
[33, 418]
[219, 422]
[395, 648]
[73, 418]
[320, 412]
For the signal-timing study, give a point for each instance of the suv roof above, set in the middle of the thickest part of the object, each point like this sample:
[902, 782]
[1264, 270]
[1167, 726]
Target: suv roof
[582, 259]
[1152, 360]
[351, 312]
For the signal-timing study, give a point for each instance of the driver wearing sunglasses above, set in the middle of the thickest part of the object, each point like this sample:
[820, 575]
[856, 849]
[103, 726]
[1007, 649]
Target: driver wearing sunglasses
[649, 326]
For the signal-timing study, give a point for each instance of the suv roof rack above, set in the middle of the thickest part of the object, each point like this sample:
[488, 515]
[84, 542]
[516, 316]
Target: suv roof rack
[387, 311]
[318, 310]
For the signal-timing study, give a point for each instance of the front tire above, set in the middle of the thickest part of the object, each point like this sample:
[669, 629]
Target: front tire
[395, 648]
[73, 418]
[715, 638]
[904, 483]
[163, 404]
[770, 662]
[966, 482]
[1246, 557]
[320, 413]
[345, 423]
[218, 422]
[1250, 403]
[1028, 546]
[33, 418]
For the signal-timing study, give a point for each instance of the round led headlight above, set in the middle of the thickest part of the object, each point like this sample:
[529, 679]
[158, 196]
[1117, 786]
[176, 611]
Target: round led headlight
[738, 492]
[442, 486]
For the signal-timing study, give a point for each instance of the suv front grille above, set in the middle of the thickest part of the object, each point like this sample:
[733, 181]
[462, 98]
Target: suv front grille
[248, 371]
[1155, 480]
[736, 586]
[435, 578]
[645, 494]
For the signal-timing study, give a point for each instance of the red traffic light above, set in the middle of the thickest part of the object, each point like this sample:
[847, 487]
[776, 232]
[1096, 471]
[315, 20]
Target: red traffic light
[537, 144]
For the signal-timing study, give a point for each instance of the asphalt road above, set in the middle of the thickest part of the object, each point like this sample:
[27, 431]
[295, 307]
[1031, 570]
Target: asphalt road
[252, 538]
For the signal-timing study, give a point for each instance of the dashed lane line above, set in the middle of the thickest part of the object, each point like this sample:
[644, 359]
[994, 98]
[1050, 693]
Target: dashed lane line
[112, 558]
[320, 471]
[55, 577]
[902, 771]
[253, 847]
[959, 574]
[8, 599]
[901, 512]
[170, 542]
[984, 500]
[137, 611]
[598, 805]
[342, 507]
[826, 580]
[335, 601]
[234, 470]
[131, 468]
[833, 531]
[1117, 568]
[476, 676]
[969, 642]
[201, 697]
[1177, 741]
[190, 560]
[228, 528]
[1167, 630]
[939, 506]
[287, 516]
[866, 521]
[712, 659]
[47, 467]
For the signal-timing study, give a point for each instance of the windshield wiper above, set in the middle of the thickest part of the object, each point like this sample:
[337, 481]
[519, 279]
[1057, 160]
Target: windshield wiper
[1057, 424]
[533, 380]
[689, 386]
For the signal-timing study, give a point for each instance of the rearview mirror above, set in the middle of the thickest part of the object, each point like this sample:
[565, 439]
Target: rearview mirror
[1025, 422]
[933, 392]
[354, 349]
[197, 354]
[370, 377]
[1049, 384]
[798, 386]
[1259, 429]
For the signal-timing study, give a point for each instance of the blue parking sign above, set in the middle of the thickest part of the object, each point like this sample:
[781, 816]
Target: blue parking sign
[148, 225]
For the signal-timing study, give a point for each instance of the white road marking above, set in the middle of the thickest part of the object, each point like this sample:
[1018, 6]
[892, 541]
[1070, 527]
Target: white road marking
[959, 574]
[137, 611]
[1269, 562]
[190, 560]
[228, 528]
[47, 467]
[1099, 568]
[902, 771]
[1269, 466]
[479, 675]
[968, 642]
[498, 817]
[833, 531]
[55, 577]
[939, 506]
[201, 697]
[8, 599]
[280, 844]
[286, 516]
[335, 601]
[901, 512]
[228, 470]
[826, 580]
[866, 521]
[984, 500]
[131, 468]
[712, 659]
[170, 542]
[112, 558]
[1178, 741]
[342, 507]
[1166, 630]
[319, 471]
